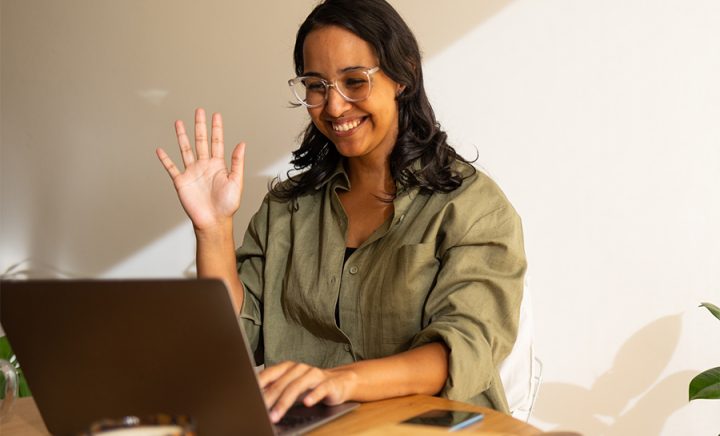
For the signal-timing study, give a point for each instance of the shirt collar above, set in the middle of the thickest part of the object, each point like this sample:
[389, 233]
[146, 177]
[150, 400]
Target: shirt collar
[340, 179]
[339, 174]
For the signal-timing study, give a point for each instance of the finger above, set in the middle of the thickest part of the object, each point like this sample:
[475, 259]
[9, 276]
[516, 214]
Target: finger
[323, 391]
[201, 142]
[277, 379]
[278, 386]
[186, 151]
[216, 137]
[237, 165]
[268, 375]
[294, 390]
[168, 163]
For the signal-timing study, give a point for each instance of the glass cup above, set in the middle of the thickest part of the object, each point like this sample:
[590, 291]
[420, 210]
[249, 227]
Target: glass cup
[11, 386]
[155, 425]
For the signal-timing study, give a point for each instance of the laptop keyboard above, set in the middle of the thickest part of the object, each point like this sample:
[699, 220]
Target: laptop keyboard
[293, 421]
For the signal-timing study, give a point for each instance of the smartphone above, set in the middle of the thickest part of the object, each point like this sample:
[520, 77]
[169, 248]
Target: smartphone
[452, 419]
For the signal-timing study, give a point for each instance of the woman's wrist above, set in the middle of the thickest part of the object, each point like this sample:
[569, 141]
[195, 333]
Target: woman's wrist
[216, 251]
[218, 230]
[349, 379]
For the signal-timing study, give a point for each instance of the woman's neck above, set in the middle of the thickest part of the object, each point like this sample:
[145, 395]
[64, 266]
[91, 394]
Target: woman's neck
[372, 177]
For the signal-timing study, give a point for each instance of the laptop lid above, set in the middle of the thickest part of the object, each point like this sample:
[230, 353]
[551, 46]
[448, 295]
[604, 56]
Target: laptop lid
[93, 349]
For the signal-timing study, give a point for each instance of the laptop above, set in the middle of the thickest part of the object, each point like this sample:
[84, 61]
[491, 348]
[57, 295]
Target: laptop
[94, 349]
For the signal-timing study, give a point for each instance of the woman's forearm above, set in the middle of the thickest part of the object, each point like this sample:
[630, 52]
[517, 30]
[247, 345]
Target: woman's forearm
[215, 258]
[422, 370]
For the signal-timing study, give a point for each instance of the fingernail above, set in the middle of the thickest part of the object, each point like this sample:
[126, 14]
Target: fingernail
[274, 416]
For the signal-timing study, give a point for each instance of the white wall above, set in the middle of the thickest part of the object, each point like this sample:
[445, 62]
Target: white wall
[600, 121]
[598, 118]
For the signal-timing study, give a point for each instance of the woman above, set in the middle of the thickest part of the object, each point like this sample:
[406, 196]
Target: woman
[390, 266]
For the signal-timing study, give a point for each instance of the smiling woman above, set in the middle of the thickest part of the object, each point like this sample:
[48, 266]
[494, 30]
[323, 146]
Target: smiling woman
[389, 266]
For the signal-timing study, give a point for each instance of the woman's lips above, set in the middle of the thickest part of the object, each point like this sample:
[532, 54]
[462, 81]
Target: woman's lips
[346, 125]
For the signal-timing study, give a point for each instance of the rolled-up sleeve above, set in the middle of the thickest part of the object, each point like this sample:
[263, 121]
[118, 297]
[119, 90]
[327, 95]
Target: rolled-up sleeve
[474, 305]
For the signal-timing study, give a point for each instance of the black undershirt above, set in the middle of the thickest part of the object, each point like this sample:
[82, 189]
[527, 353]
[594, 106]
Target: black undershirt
[348, 252]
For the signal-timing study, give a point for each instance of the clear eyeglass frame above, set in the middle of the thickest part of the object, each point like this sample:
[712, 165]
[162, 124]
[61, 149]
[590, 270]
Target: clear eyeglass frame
[298, 81]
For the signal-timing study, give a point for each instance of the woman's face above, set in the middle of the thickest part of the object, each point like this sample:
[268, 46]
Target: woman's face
[329, 51]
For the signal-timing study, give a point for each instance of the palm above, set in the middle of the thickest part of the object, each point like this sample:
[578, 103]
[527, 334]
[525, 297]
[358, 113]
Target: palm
[209, 193]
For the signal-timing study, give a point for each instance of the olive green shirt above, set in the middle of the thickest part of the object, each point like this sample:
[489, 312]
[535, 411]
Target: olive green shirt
[444, 267]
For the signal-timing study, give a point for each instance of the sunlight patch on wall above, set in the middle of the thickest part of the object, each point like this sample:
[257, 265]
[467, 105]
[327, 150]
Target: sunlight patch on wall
[172, 256]
[9, 255]
[279, 167]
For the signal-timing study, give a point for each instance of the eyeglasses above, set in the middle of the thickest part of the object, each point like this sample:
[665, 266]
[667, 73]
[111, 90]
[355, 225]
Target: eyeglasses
[353, 85]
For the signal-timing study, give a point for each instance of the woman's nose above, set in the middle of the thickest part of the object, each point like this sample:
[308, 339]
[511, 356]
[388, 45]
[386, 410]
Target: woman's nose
[336, 103]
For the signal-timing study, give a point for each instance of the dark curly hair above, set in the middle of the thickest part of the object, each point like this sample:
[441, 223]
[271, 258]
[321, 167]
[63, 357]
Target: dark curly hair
[419, 134]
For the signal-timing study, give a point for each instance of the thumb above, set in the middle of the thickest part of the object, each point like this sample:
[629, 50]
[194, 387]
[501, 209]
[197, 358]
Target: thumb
[237, 164]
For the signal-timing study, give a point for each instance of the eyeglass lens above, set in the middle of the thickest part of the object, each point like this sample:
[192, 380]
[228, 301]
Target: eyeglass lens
[353, 85]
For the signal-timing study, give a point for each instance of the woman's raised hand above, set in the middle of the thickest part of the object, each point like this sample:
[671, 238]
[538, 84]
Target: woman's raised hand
[209, 193]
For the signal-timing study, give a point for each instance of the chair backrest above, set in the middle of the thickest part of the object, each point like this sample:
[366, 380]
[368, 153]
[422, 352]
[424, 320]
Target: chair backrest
[518, 371]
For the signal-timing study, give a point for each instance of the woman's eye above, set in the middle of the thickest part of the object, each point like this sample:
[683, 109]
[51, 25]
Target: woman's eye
[314, 86]
[354, 83]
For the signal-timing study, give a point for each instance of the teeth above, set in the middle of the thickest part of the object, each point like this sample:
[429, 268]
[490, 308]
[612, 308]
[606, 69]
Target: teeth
[346, 127]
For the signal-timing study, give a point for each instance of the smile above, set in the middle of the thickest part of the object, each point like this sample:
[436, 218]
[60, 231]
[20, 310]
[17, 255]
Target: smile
[347, 126]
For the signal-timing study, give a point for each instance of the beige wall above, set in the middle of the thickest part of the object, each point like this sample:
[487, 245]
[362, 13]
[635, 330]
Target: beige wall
[599, 119]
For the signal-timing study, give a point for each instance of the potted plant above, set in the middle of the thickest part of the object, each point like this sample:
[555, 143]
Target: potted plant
[706, 385]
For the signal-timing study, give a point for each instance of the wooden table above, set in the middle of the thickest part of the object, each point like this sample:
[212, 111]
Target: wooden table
[370, 419]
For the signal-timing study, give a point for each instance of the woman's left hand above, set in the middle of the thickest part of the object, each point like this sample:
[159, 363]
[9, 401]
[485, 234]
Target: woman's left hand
[288, 382]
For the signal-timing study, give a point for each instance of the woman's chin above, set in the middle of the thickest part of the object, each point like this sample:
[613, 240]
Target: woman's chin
[346, 151]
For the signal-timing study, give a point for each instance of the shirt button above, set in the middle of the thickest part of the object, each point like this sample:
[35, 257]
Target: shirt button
[347, 347]
[402, 217]
[332, 281]
[353, 270]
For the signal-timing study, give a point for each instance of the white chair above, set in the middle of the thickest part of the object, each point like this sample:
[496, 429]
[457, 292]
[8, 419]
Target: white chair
[521, 371]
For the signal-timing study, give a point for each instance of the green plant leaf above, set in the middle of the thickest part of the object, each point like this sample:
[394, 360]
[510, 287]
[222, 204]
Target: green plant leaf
[5, 350]
[706, 385]
[23, 389]
[7, 354]
[713, 309]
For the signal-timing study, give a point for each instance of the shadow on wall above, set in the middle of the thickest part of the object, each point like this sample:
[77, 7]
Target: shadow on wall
[437, 25]
[611, 407]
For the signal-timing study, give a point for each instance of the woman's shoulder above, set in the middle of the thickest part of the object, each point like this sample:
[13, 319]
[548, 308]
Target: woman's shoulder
[477, 185]
[477, 210]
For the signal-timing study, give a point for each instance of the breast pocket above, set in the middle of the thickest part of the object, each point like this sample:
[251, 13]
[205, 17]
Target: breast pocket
[410, 278]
